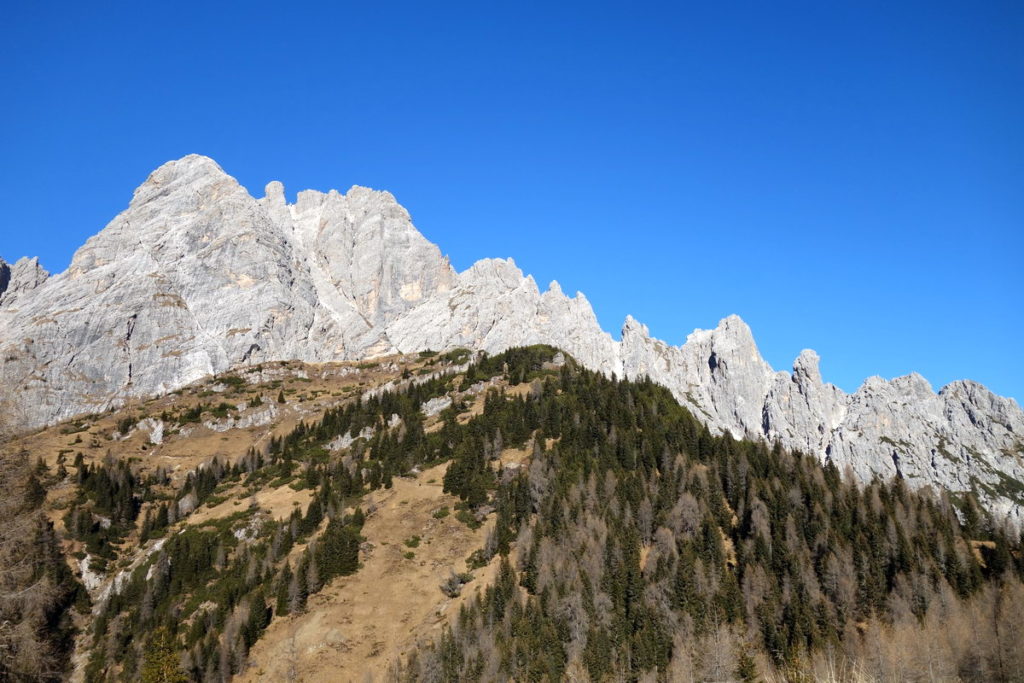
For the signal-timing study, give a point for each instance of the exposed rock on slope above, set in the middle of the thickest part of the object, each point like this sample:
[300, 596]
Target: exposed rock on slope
[196, 276]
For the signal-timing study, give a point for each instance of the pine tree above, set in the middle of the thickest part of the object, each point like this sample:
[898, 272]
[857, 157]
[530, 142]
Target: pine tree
[746, 667]
[160, 663]
[35, 494]
[284, 582]
[297, 591]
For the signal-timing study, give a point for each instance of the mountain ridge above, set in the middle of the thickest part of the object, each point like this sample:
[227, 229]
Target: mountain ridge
[197, 276]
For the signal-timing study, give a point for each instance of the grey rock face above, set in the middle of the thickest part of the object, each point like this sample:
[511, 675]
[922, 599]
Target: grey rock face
[492, 306]
[24, 276]
[196, 277]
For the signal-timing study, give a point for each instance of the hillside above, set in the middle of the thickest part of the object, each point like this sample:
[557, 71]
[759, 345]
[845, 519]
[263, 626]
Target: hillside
[117, 481]
[516, 517]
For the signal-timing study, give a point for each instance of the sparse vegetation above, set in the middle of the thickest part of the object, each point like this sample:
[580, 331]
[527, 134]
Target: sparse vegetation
[622, 542]
[233, 382]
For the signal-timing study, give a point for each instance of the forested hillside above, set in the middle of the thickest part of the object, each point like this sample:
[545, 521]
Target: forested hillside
[628, 543]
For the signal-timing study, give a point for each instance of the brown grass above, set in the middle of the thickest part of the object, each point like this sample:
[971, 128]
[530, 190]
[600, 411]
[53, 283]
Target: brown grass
[357, 624]
[360, 624]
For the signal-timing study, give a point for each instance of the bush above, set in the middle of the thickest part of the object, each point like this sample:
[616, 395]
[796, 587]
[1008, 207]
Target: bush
[452, 586]
[222, 410]
[233, 381]
[477, 560]
[468, 518]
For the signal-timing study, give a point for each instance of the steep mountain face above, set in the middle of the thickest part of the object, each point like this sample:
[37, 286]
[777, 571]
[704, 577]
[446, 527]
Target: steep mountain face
[196, 276]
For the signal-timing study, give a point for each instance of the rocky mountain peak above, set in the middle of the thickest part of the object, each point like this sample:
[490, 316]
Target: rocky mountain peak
[633, 327]
[806, 367]
[193, 171]
[24, 276]
[913, 385]
[500, 270]
[273, 193]
[733, 333]
[275, 204]
[196, 277]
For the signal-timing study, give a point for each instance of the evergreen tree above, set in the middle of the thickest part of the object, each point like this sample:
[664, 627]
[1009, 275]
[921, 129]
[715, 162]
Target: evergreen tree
[160, 663]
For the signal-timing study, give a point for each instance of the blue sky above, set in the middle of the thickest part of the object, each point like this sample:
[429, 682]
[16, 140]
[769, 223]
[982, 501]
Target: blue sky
[845, 176]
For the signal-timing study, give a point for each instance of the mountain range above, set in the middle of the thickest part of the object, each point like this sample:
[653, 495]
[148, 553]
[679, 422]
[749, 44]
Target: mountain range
[197, 277]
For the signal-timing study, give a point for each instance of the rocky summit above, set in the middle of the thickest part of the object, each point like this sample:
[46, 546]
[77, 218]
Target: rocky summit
[197, 276]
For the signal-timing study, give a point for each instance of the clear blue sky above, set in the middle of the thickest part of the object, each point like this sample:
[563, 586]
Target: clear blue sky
[845, 176]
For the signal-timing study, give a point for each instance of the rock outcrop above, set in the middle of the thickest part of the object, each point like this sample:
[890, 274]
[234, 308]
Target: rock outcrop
[24, 276]
[196, 277]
